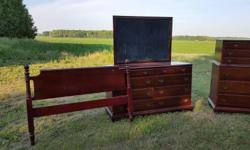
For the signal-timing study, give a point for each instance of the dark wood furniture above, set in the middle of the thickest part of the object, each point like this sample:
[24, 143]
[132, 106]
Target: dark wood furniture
[55, 83]
[230, 84]
[158, 85]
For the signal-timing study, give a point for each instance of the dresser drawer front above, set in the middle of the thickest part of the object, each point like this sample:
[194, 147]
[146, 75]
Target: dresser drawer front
[236, 53]
[237, 45]
[235, 60]
[172, 91]
[234, 87]
[142, 93]
[161, 71]
[234, 100]
[151, 104]
[235, 73]
[156, 92]
[143, 82]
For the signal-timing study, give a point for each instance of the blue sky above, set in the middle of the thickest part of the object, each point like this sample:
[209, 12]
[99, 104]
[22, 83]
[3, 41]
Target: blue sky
[191, 17]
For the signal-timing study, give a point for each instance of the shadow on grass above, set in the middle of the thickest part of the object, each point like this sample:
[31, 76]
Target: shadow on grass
[19, 52]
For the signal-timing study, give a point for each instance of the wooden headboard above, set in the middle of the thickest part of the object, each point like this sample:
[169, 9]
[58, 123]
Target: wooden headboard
[52, 83]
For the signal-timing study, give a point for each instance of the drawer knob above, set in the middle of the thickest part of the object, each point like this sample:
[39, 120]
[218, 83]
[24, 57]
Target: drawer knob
[229, 60]
[186, 79]
[183, 69]
[236, 45]
[148, 93]
[165, 71]
[161, 103]
[145, 72]
[230, 53]
[161, 92]
[148, 82]
[161, 80]
[223, 100]
[226, 75]
[185, 100]
[225, 88]
[186, 89]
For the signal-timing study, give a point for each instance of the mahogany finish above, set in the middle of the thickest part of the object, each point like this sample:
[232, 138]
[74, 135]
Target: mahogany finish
[233, 51]
[157, 89]
[230, 84]
[76, 81]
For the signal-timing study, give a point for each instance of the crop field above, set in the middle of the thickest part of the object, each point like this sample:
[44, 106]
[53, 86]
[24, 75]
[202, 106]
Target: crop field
[92, 129]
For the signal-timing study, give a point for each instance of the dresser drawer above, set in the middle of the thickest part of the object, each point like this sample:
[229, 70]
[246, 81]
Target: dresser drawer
[172, 91]
[151, 104]
[147, 93]
[143, 82]
[237, 45]
[236, 60]
[234, 100]
[236, 53]
[142, 93]
[235, 73]
[234, 87]
[161, 71]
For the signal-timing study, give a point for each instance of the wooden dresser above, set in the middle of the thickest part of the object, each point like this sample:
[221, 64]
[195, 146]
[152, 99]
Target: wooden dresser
[157, 88]
[143, 46]
[230, 83]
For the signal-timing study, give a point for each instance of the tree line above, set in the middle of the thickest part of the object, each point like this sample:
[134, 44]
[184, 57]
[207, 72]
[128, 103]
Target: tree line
[79, 33]
[109, 34]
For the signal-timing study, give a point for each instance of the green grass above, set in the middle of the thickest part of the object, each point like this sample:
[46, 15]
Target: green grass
[200, 129]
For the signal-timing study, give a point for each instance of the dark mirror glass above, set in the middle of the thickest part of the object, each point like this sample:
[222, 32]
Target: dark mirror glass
[142, 39]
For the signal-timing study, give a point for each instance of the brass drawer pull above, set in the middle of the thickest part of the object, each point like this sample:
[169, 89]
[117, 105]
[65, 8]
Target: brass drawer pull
[183, 69]
[161, 92]
[161, 80]
[226, 75]
[185, 100]
[223, 100]
[161, 103]
[148, 93]
[148, 82]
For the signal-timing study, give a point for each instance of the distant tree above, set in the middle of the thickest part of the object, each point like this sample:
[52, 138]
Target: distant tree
[15, 20]
[45, 33]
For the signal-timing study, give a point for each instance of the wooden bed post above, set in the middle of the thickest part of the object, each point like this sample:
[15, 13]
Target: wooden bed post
[129, 93]
[29, 106]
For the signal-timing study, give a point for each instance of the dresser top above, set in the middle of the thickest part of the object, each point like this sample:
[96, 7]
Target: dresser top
[155, 65]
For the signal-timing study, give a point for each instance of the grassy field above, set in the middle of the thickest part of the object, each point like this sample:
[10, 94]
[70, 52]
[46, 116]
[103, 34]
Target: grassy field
[199, 129]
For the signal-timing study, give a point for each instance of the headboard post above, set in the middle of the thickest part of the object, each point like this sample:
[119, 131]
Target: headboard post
[129, 93]
[29, 105]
